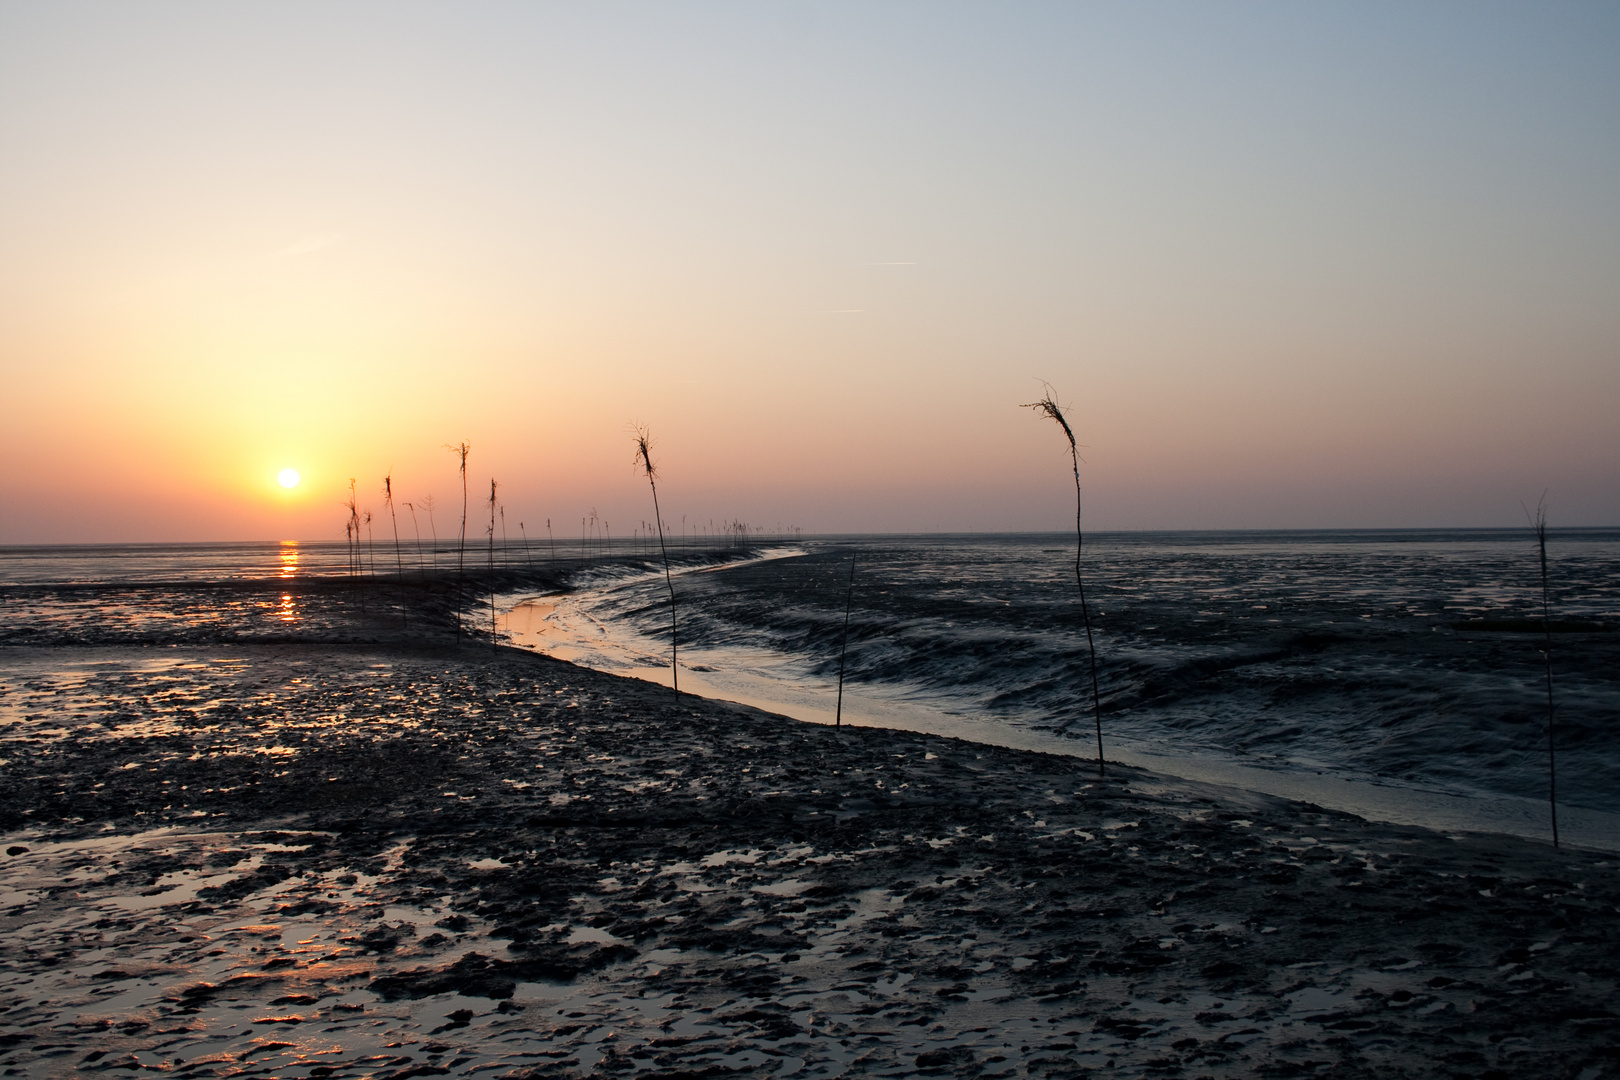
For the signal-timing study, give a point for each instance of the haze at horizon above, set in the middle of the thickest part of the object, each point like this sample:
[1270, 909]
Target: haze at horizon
[1328, 266]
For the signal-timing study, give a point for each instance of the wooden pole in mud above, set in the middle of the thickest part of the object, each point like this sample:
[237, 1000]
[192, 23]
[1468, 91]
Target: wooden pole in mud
[843, 648]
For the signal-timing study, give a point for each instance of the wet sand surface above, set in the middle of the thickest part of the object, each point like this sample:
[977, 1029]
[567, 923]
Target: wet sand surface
[383, 860]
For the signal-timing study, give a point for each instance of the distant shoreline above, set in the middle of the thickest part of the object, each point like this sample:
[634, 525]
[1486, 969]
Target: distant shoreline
[1504, 532]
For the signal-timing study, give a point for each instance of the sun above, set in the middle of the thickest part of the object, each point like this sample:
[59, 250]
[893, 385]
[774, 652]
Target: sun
[288, 478]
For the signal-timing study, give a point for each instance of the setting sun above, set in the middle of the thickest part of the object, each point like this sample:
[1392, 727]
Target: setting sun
[288, 478]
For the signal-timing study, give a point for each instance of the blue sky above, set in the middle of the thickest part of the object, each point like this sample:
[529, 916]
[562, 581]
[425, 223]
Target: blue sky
[1290, 265]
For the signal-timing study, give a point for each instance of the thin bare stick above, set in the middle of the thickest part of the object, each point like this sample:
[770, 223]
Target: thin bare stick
[1538, 522]
[1048, 407]
[843, 649]
[416, 528]
[356, 561]
[399, 559]
[644, 459]
[461, 449]
[492, 642]
[433, 527]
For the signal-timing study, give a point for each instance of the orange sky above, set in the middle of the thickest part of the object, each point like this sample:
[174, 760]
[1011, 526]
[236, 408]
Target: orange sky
[1329, 267]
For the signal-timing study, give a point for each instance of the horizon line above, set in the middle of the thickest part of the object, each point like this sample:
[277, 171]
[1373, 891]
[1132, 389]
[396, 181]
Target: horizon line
[786, 538]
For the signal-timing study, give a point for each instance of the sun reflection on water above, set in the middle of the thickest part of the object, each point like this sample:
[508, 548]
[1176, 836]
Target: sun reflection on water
[289, 558]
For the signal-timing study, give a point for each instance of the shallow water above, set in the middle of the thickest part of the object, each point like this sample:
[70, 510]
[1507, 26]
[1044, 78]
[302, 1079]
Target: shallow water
[1291, 662]
[1323, 666]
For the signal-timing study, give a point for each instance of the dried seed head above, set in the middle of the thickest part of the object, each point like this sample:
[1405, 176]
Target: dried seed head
[1049, 407]
[643, 456]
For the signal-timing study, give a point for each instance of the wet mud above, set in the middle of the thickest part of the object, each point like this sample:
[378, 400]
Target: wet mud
[395, 860]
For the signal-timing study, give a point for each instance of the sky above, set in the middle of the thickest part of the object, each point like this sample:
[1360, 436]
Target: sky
[1325, 265]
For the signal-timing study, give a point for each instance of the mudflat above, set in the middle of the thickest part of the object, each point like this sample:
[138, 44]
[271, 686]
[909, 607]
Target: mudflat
[392, 860]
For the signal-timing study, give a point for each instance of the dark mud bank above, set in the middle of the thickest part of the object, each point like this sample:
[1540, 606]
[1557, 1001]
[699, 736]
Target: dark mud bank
[297, 860]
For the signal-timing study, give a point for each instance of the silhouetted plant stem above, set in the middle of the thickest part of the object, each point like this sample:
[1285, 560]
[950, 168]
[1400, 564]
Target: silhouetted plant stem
[843, 648]
[1539, 523]
[427, 504]
[356, 558]
[644, 457]
[461, 449]
[1048, 407]
[492, 641]
[527, 558]
[399, 559]
[416, 531]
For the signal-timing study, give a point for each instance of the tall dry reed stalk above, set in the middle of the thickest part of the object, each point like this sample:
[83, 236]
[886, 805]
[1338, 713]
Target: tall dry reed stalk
[492, 641]
[433, 527]
[416, 529]
[348, 532]
[527, 558]
[355, 563]
[399, 558]
[552, 539]
[843, 648]
[1048, 407]
[354, 521]
[1538, 523]
[643, 458]
[460, 449]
